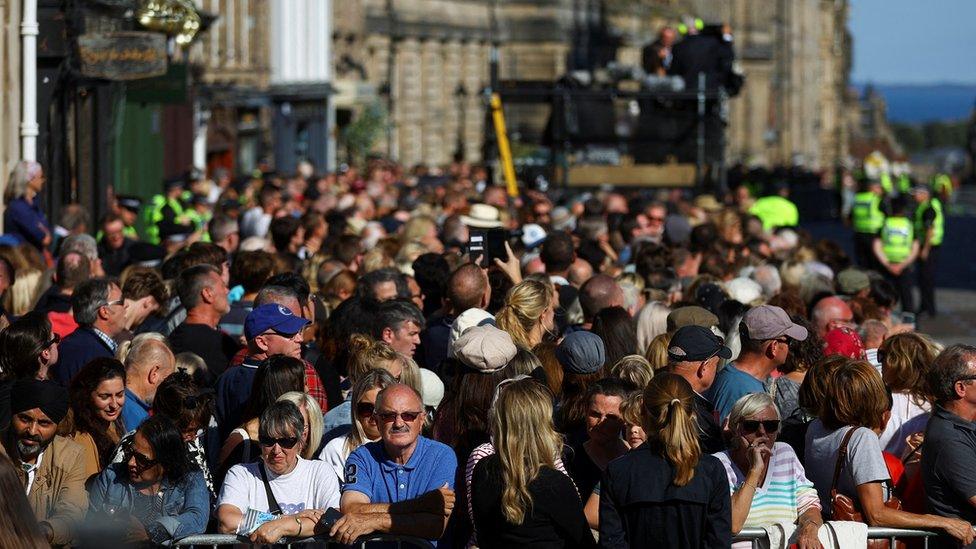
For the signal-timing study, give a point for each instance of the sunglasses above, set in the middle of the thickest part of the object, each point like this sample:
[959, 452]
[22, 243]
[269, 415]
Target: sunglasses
[390, 417]
[55, 339]
[142, 461]
[752, 425]
[285, 442]
[365, 409]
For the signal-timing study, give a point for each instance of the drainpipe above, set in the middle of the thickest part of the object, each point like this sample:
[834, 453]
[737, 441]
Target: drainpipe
[28, 122]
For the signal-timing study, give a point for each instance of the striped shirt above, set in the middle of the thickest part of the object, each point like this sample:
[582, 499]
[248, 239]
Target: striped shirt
[784, 496]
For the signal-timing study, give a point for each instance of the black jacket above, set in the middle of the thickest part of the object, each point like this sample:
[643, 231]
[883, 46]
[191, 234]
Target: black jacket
[555, 519]
[710, 435]
[641, 507]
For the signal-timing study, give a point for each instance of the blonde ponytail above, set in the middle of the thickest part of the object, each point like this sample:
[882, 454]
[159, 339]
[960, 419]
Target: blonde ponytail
[524, 306]
[671, 423]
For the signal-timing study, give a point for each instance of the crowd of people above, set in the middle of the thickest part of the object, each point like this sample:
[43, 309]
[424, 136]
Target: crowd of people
[333, 356]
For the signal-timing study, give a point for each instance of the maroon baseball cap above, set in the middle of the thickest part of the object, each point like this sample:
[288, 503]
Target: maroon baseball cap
[769, 322]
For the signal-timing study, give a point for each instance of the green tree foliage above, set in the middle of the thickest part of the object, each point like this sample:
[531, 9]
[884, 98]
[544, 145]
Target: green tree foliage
[363, 132]
[931, 135]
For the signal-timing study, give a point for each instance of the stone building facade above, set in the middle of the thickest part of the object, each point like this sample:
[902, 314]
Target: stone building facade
[264, 79]
[794, 53]
[10, 87]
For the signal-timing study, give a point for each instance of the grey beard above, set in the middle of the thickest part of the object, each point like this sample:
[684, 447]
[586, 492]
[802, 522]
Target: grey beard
[30, 452]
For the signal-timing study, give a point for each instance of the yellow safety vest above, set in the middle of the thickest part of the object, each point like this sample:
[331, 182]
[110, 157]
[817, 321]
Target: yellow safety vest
[938, 224]
[896, 238]
[775, 211]
[866, 214]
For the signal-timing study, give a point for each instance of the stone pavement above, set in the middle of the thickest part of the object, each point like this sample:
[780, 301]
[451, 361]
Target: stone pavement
[956, 322]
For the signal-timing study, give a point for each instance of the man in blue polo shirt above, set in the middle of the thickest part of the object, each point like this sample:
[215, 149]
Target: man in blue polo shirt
[403, 483]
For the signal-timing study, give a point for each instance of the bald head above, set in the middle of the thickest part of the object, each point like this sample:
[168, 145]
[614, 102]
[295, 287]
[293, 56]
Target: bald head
[468, 288]
[399, 397]
[579, 272]
[831, 312]
[597, 294]
[73, 269]
[148, 361]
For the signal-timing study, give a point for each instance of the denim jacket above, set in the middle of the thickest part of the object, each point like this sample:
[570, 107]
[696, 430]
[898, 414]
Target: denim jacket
[186, 504]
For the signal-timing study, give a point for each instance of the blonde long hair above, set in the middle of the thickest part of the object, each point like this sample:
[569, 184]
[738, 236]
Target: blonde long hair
[376, 378]
[669, 421]
[316, 425]
[524, 306]
[525, 440]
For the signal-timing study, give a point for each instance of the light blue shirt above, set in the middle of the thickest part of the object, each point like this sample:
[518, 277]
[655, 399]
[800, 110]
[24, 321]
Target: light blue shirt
[730, 385]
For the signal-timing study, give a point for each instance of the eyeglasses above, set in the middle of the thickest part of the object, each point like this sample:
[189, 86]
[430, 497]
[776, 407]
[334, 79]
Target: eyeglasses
[55, 339]
[285, 442]
[113, 303]
[752, 425]
[390, 417]
[143, 461]
[966, 378]
[365, 409]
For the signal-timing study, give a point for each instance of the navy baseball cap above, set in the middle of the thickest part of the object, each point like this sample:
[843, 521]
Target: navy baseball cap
[272, 316]
[692, 343]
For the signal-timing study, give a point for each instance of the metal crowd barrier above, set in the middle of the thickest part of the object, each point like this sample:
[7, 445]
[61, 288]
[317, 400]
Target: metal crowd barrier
[218, 540]
[755, 535]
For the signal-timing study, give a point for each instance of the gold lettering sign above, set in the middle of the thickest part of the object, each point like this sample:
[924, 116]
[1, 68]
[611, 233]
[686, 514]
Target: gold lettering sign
[122, 55]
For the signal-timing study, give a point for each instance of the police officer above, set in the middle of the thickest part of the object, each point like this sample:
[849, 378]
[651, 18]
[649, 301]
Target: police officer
[776, 210]
[896, 250]
[942, 186]
[165, 216]
[929, 229]
[867, 217]
[886, 185]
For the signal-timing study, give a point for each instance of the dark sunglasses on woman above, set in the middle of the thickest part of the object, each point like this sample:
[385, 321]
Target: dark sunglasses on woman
[752, 425]
[285, 442]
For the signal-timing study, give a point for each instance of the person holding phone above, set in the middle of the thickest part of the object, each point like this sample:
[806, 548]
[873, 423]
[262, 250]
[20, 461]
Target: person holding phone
[766, 480]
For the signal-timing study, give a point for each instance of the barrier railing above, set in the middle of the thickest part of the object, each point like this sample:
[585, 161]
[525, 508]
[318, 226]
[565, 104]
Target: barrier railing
[218, 540]
[755, 535]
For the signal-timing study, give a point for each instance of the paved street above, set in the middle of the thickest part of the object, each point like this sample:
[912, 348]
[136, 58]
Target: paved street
[956, 322]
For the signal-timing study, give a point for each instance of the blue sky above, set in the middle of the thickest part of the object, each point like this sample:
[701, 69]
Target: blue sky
[913, 41]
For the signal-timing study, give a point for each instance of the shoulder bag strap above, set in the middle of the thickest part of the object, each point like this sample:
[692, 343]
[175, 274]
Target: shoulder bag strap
[272, 502]
[841, 457]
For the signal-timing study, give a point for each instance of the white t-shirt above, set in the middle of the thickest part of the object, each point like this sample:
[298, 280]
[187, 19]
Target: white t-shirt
[310, 485]
[907, 418]
[335, 454]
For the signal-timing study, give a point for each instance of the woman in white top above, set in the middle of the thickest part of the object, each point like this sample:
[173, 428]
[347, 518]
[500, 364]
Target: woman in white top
[364, 428]
[905, 363]
[277, 375]
[298, 491]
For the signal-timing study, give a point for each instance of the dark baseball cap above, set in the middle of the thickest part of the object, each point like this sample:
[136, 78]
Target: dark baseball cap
[272, 316]
[692, 343]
